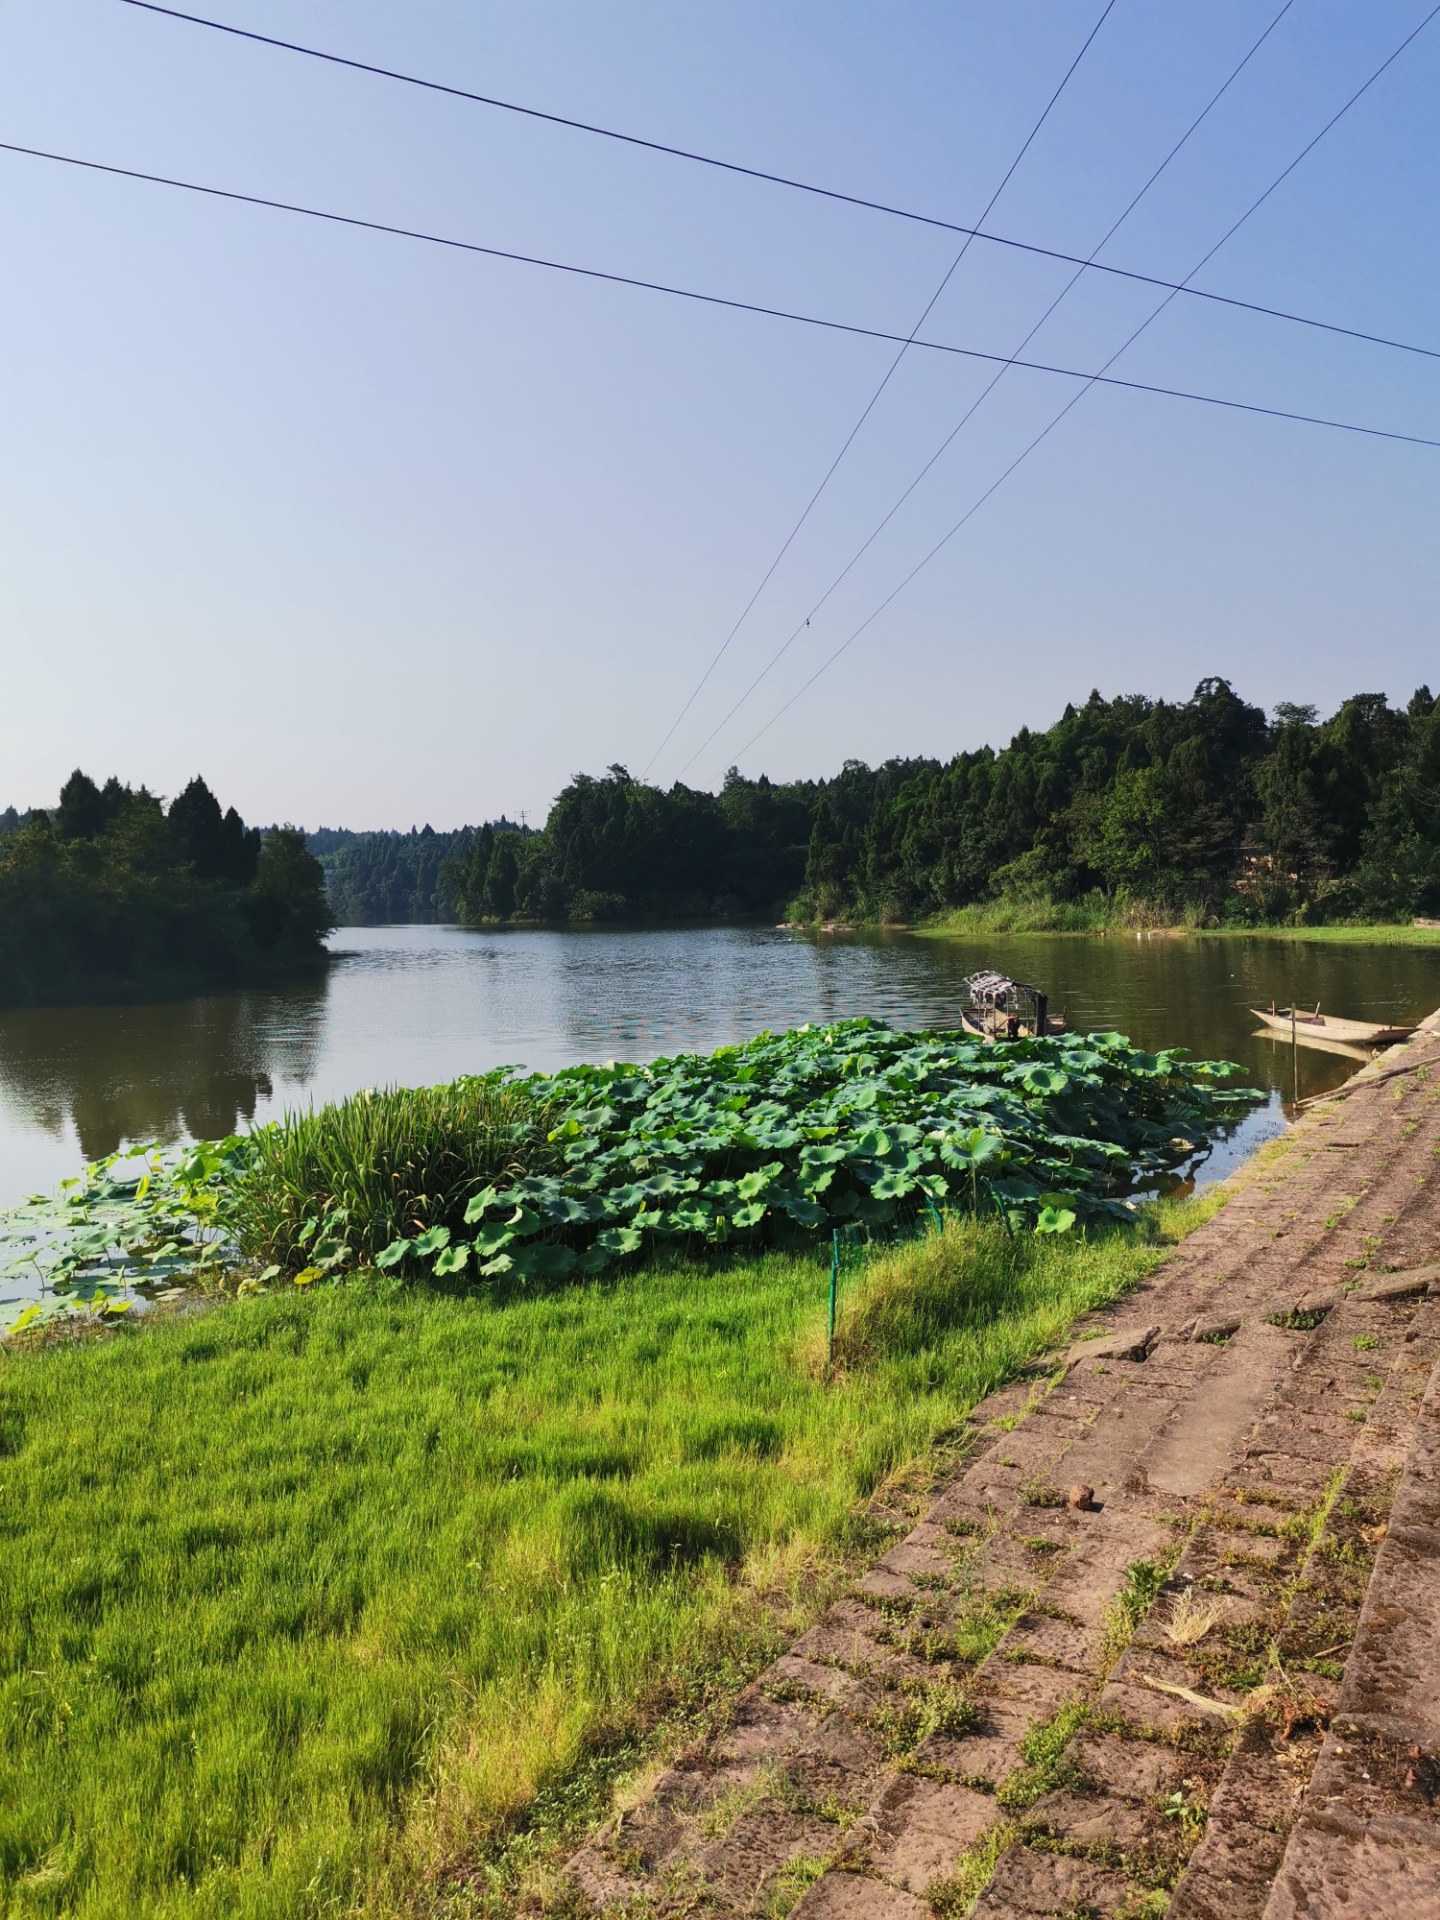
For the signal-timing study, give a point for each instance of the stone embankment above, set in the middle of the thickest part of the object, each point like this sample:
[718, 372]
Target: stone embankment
[1168, 1641]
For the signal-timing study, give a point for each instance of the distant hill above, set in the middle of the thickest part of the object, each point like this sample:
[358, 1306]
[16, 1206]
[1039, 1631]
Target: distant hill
[1178, 810]
[387, 877]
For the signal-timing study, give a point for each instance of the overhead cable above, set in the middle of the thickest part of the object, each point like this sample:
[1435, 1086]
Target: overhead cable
[874, 399]
[1075, 398]
[717, 300]
[983, 396]
[990, 238]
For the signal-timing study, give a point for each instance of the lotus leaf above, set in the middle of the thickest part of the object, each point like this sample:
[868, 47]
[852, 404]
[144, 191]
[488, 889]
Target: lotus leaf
[478, 1203]
[788, 1135]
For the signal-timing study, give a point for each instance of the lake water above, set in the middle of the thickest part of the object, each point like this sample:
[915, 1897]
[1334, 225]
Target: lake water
[414, 1005]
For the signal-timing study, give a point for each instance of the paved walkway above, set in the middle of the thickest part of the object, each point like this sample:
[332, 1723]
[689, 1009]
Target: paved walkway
[1169, 1640]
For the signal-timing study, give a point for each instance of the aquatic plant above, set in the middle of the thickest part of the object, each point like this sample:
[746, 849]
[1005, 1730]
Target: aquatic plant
[856, 1127]
[379, 1166]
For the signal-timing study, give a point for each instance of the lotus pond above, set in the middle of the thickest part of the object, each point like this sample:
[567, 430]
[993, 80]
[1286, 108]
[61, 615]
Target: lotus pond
[854, 1127]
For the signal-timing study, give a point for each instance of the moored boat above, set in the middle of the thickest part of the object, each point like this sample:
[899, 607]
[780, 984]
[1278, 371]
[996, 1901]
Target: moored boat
[996, 1026]
[999, 1008]
[1328, 1026]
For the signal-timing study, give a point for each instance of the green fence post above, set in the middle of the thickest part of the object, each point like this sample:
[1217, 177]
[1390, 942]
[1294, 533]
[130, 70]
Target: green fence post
[834, 1290]
[934, 1213]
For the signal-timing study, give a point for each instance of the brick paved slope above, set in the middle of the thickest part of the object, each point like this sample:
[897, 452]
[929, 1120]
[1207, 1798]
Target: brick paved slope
[1213, 1688]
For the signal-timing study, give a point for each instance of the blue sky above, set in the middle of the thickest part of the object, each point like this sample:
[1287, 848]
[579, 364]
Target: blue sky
[375, 534]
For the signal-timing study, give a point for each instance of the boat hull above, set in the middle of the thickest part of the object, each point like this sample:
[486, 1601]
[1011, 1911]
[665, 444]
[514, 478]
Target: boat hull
[1317, 1043]
[1054, 1023]
[1326, 1026]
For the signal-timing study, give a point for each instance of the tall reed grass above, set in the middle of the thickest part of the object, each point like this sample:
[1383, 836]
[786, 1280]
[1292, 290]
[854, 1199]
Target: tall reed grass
[398, 1162]
[1094, 913]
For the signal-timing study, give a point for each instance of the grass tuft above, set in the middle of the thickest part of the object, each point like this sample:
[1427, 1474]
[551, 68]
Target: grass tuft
[396, 1163]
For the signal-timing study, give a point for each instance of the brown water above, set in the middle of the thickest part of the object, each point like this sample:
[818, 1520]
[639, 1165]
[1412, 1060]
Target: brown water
[411, 1005]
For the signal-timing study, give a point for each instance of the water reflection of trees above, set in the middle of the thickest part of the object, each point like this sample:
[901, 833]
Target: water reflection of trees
[200, 1067]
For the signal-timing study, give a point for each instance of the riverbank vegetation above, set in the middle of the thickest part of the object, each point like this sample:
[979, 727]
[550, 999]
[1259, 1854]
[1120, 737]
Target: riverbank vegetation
[852, 1129]
[1137, 918]
[1128, 811]
[111, 892]
[355, 1599]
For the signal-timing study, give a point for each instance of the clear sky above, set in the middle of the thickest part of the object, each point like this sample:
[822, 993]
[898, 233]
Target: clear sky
[374, 534]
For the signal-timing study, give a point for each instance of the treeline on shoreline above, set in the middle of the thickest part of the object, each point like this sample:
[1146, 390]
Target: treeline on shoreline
[1128, 810]
[111, 892]
[1202, 810]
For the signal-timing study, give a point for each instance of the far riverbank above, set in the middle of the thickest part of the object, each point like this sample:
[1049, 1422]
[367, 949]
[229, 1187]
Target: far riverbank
[1050, 919]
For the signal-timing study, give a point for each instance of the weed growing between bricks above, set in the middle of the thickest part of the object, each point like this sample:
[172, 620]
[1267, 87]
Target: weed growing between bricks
[954, 1896]
[1044, 1768]
[924, 1707]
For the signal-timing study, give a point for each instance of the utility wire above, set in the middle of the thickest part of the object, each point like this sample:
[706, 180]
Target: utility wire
[781, 180]
[718, 300]
[984, 395]
[940, 544]
[872, 402]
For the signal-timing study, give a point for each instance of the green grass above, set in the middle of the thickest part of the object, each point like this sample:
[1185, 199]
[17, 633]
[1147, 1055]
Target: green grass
[1361, 935]
[304, 1600]
[1093, 915]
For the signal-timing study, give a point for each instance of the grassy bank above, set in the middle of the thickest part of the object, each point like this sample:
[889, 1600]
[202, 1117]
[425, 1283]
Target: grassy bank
[305, 1600]
[1094, 914]
[1132, 918]
[1377, 935]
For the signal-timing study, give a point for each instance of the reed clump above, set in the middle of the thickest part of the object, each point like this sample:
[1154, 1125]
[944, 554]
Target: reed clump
[394, 1163]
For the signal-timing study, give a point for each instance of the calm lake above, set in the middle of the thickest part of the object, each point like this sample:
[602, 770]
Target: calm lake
[411, 1005]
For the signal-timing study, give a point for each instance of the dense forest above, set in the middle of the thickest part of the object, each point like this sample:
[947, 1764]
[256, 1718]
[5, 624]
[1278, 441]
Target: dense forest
[1131, 808]
[375, 878]
[1202, 809]
[113, 892]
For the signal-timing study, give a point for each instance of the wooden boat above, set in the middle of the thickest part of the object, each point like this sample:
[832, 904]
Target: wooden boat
[997, 1025]
[999, 1008]
[1327, 1026]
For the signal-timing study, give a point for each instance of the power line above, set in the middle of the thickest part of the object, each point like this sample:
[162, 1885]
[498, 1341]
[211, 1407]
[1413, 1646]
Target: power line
[980, 400]
[782, 180]
[715, 299]
[1075, 398]
[872, 402]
